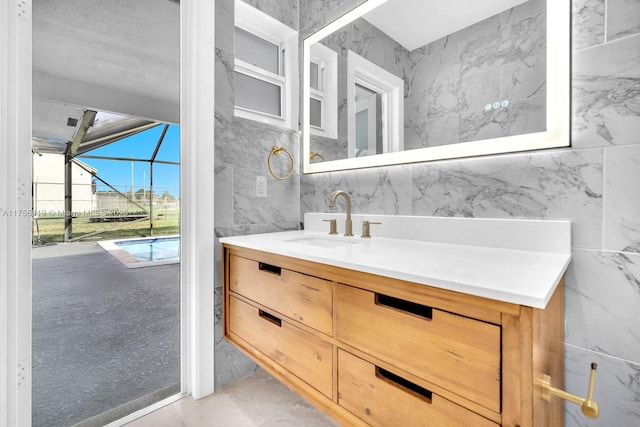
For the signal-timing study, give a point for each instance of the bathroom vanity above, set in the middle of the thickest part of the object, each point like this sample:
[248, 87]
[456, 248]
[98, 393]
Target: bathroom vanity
[453, 326]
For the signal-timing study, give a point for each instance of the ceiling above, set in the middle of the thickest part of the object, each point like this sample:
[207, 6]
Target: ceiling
[115, 56]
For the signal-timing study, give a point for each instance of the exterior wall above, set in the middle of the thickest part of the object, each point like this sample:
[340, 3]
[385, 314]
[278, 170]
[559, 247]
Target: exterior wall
[48, 180]
[241, 150]
[595, 184]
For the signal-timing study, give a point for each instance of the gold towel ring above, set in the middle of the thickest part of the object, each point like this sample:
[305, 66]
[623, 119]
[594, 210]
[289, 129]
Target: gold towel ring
[313, 155]
[276, 150]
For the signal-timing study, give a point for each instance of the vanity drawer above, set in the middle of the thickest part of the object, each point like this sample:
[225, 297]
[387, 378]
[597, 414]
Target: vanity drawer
[454, 352]
[306, 356]
[307, 299]
[382, 398]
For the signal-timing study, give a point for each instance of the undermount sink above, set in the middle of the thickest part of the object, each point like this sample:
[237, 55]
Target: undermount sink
[323, 242]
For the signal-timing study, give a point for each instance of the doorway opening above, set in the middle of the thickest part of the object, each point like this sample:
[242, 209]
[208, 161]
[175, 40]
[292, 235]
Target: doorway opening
[106, 98]
[106, 333]
[195, 35]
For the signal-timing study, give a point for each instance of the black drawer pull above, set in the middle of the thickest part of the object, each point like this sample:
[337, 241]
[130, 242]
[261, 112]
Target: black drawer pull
[269, 268]
[270, 317]
[408, 306]
[394, 379]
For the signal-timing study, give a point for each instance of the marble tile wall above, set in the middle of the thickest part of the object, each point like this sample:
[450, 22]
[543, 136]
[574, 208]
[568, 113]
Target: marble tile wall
[449, 81]
[453, 78]
[241, 150]
[595, 184]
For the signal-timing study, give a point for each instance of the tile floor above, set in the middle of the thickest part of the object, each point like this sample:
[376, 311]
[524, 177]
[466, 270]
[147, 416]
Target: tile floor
[258, 400]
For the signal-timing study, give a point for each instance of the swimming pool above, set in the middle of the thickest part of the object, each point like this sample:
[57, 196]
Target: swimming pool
[152, 249]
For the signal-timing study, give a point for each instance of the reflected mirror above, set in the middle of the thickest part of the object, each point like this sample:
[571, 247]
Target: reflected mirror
[400, 81]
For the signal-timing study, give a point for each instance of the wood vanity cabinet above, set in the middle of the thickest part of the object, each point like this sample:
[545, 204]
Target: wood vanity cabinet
[371, 350]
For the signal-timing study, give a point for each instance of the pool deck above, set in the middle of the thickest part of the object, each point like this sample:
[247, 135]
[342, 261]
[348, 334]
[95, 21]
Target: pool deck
[103, 334]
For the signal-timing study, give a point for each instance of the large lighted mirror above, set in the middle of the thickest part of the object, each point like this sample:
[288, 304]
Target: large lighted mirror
[401, 81]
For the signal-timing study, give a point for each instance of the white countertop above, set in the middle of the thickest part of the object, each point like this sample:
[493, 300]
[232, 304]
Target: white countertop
[506, 270]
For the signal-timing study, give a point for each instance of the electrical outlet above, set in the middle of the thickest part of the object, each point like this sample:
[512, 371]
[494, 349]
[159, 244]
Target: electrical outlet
[261, 186]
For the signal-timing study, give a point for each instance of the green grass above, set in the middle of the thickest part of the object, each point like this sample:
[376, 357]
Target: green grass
[52, 230]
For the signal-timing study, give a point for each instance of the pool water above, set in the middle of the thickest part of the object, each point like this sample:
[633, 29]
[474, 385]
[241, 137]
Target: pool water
[156, 249]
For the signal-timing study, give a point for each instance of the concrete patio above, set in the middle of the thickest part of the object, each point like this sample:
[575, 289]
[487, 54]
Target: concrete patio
[103, 335]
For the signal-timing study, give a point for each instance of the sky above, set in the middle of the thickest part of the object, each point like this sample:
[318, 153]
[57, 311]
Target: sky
[140, 146]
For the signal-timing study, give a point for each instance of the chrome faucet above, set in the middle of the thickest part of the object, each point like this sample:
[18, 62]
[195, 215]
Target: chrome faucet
[347, 224]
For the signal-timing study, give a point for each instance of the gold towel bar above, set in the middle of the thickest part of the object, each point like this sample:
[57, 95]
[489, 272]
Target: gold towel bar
[589, 406]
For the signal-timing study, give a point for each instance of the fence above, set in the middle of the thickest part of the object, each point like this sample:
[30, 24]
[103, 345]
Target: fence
[100, 210]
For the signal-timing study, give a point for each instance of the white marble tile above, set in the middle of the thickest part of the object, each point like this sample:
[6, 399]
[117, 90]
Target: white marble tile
[467, 94]
[522, 11]
[495, 63]
[602, 295]
[342, 75]
[588, 23]
[380, 49]
[248, 143]
[522, 39]
[285, 11]
[523, 79]
[434, 65]
[224, 95]
[307, 194]
[329, 149]
[244, 229]
[224, 25]
[617, 389]
[606, 87]
[475, 30]
[342, 41]
[559, 185]
[315, 14]
[374, 191]
[622, 199]
[223, 196]
[430, 133]
[280, 205]
[343, 118]
[439, 100]
[623, 18]
[230, 364]
[520, 117]
[416, 110]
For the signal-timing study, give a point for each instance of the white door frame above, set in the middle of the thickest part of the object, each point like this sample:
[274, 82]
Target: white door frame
[197, 82]
[366, 73]
[197, 19]
[15, 204]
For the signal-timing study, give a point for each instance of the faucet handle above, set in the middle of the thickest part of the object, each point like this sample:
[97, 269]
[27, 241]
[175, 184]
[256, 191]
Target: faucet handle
[366, 229]
[333, 227]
